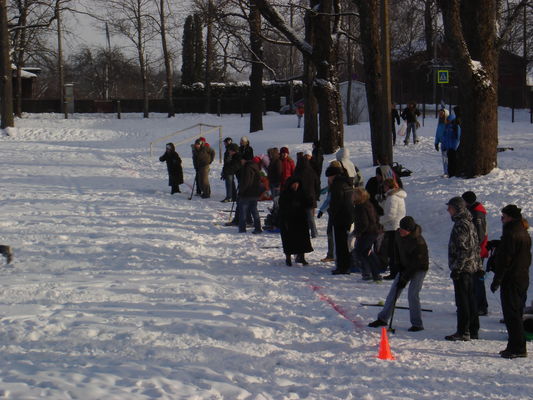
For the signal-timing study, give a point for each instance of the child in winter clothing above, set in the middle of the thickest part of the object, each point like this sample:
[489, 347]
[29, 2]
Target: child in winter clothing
[411, 253]
[175, 171]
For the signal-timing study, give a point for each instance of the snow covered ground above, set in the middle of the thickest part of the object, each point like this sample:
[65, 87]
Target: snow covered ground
[121, 291]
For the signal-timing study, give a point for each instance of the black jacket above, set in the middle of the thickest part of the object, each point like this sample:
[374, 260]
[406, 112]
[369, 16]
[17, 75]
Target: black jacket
[513, 254]
[175, 171]
[366, 219]
[411, 253]
[309, 180]
[341, 210]
[247, 152]
[250, 180]
[232, 164]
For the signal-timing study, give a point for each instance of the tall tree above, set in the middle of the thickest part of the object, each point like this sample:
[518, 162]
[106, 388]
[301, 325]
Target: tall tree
[471, 29]
[256, 76]
[324, 22]
[6, 74]
[167, 56]
[187, 52]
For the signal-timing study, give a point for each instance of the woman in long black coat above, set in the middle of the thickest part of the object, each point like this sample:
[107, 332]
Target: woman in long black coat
[175, 171]
[293, 221]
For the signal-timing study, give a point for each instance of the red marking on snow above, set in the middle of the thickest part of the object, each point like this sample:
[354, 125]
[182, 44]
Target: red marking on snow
[318, 290]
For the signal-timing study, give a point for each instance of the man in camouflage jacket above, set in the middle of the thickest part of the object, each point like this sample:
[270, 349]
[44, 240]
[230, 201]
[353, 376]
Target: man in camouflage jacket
[464, 261]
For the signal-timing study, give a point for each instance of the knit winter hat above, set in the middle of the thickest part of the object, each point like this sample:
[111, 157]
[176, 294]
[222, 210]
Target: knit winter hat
[308, 153]
[408, 224]
[332, 171]
[284, 150]
[512, 211]
[470, 197]
[458, 203]
[228, 140]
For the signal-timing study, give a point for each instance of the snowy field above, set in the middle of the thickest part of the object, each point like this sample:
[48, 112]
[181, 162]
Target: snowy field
[121, 291]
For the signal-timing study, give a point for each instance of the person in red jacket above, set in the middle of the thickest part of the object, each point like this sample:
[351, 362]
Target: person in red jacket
[479, 218]
[287, 166]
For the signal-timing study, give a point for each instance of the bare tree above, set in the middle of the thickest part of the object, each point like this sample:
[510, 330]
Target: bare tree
[134, 19]
[324, 18]
[163, 10]
[472, 33]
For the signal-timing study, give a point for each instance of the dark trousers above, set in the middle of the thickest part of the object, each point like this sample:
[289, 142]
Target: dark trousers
[387, 252]
[513, 297]
[452, 163]
[342, 255]
[369, 263]
[481, 294]
[467, 315]
[248, 205]
[231, 189]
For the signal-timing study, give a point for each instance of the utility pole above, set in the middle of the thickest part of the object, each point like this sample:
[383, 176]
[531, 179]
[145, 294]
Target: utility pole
[60, 70]
[6, 74]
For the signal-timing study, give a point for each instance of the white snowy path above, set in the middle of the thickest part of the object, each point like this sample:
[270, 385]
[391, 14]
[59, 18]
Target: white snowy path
[121, 291]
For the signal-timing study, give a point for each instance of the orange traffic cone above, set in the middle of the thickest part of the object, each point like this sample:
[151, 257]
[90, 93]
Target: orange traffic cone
[384, 348]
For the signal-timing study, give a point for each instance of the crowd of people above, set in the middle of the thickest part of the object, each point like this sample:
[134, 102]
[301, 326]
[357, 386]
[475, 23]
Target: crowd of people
[368, 229]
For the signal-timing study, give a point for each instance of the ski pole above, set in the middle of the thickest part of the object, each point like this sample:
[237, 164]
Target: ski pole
[192, 188]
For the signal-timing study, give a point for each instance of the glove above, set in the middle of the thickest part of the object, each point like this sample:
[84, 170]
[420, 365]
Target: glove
[402, 283]
[437, 146]
[320, 213]
[455, 274]
[494, 286]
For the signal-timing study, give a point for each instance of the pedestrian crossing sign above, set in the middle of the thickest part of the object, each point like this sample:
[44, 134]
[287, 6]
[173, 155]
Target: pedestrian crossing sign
[443, 76]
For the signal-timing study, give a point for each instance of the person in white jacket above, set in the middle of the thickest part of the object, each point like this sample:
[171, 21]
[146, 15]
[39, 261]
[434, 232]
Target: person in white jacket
[393, 204]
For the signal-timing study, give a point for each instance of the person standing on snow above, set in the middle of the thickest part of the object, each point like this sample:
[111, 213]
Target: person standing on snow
[513, 258]
[341, 213]
[203, 156]
[249, 192]
[439, 138]
[294, 229]
[395, 120]
[287, 166]
[479, 218]
[393, 205]
[175, 171]
[451, 138]
[300, 114]
[229, 169]
[413, 263]
[464, 261]
[247, 152]
[343, 156]
[311, 186]
[409, 115]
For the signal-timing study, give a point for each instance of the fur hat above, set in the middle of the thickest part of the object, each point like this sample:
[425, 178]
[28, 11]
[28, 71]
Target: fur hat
[408, 224]
[512, 211]
[458, 203]
[469, 197]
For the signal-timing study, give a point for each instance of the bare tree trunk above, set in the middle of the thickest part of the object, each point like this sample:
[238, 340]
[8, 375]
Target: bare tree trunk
[60, 69]
[475, 57]
[168, 60]
[370, 44]
[256, 76]
[142, 63]
[384, 147]
[428, 28]
[6, 75]
[21, 44]
[310, 102]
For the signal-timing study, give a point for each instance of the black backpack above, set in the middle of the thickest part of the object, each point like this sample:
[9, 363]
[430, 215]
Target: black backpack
[400, 170]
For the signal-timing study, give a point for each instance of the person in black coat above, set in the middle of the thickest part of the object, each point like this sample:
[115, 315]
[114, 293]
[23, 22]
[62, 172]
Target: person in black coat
[513, 258]
[294, 229]
[249, 192]
[175, 171]
[247, 152]
[341, 214]
[318, 158]
[311, 187]
[232, 164]
[367, 228]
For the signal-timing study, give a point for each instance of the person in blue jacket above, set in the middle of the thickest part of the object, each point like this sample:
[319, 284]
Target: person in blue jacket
[439, 137]
[449, 143]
